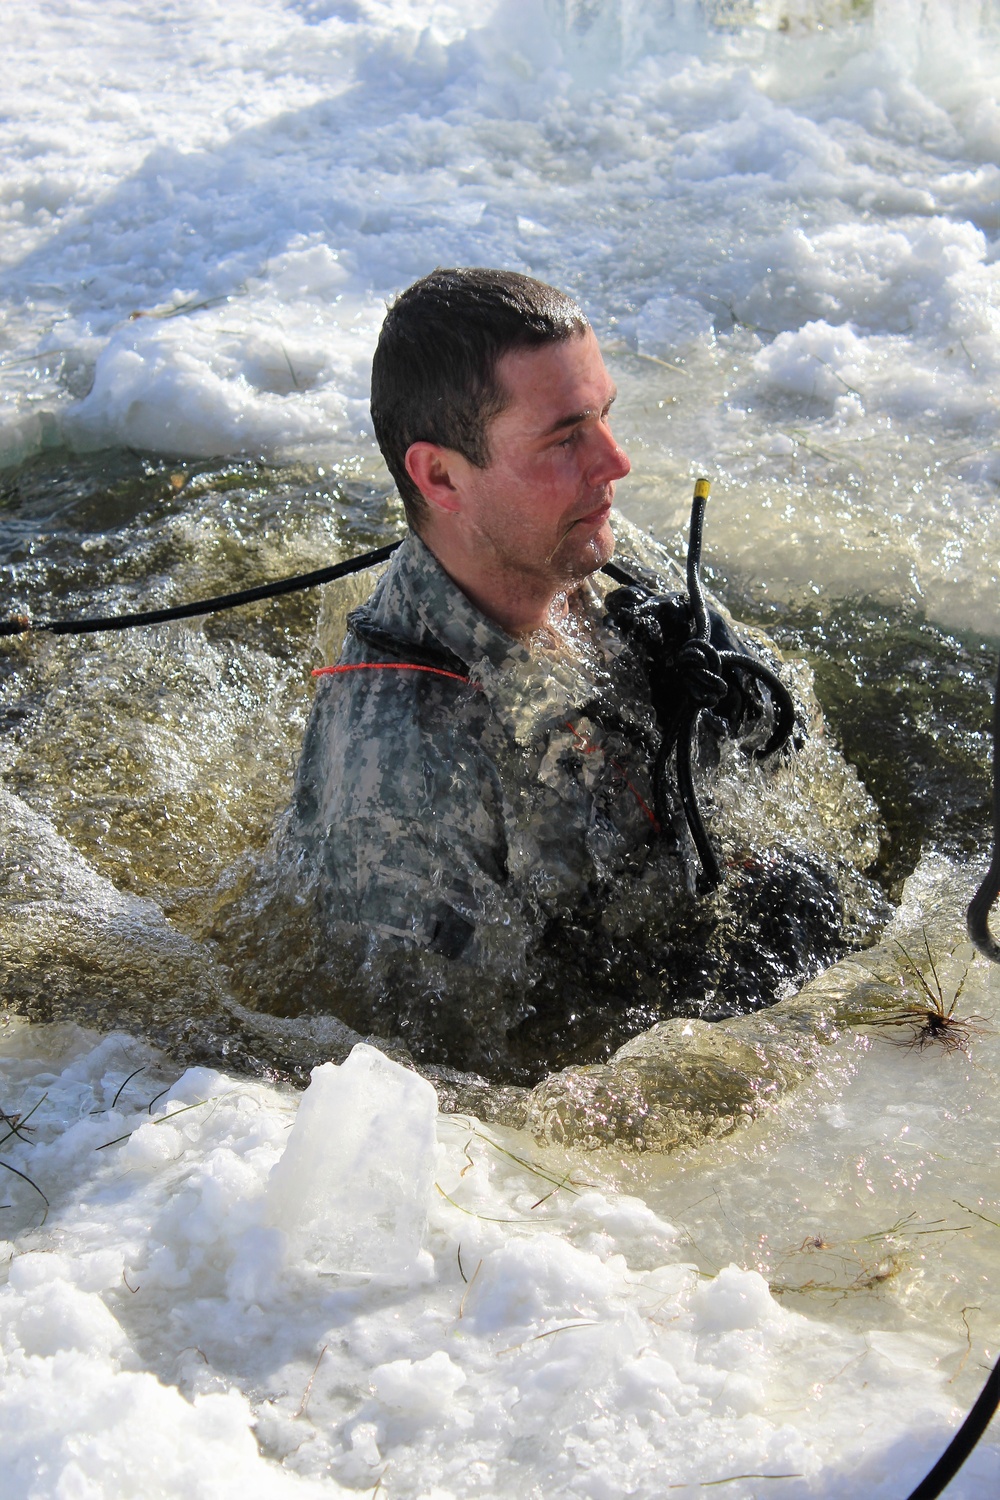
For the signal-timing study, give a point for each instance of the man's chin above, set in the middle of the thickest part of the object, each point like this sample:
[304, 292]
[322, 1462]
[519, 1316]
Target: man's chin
[594, 553]
[604, 544]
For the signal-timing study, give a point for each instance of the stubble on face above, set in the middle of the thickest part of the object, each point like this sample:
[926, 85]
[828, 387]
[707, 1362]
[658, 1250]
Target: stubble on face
[513, 564]
[540, 515]
[573, 562]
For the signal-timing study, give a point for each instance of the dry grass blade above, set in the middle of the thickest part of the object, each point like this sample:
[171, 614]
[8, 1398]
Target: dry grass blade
[468, 1288]
[557, 1182]
[25, 1178]
[548, 1333]
[968, 1342]
[163, 1120]
[18, 1123]
[156, 1097]
[309, 1384]
[140, 1069]
[965, 1208]
[861, 1264]
[707, 1484]
[487, 1218]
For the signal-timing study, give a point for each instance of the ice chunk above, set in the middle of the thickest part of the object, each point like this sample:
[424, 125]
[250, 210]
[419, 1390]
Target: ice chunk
[669, 323]
[422, 1387]
[351, 1187]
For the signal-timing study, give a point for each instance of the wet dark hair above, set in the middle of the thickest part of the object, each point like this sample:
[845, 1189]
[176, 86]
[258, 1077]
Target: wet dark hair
[434, 374]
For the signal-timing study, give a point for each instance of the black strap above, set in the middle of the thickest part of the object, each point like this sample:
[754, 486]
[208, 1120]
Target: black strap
[620, 576]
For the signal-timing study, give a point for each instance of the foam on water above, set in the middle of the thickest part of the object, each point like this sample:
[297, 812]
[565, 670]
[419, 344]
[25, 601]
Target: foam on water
[786, 232]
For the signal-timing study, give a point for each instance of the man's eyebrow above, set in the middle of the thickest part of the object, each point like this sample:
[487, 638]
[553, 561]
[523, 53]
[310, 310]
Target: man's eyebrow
[574, 418]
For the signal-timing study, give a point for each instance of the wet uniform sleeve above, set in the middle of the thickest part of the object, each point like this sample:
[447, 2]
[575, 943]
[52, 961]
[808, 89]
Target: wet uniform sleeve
[407, 821]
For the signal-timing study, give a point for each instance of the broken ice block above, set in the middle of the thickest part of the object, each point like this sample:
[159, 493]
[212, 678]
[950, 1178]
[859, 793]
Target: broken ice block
[352, 1185]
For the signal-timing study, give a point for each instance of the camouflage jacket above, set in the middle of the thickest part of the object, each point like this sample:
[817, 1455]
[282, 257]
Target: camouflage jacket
[459, 813]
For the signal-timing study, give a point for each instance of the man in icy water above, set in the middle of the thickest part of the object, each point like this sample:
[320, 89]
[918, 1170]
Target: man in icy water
[476, 863]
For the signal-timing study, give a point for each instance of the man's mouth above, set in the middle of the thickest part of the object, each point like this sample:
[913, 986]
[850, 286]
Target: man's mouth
[600, 513]
[592, 523]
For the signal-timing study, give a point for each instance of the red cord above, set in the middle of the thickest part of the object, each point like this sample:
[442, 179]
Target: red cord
[387, 666]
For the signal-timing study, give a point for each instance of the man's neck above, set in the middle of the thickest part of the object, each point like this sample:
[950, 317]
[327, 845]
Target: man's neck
[518, 601]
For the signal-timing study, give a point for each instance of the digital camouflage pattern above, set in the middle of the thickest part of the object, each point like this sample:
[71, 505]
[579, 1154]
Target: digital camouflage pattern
[444, 813]
[470, 868]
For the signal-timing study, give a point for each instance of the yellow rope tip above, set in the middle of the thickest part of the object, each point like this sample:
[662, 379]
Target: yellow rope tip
[702, 488]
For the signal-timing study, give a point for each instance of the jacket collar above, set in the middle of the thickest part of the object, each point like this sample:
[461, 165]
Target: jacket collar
[418, 600]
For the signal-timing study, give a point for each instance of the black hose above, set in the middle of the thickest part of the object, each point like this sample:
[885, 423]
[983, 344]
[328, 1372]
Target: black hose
[701, 632]
[711, 869]
[701, 628]
[22, 625]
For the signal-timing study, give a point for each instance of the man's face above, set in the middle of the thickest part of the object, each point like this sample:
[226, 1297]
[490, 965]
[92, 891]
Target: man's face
[541, 506]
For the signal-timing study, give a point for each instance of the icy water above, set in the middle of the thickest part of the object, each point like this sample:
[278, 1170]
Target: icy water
[782, 220]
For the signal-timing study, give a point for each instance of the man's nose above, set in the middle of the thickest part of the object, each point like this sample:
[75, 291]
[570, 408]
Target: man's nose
[610, 461]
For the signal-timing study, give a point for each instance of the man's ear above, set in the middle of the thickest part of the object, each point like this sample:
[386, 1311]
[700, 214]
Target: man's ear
[436, 472]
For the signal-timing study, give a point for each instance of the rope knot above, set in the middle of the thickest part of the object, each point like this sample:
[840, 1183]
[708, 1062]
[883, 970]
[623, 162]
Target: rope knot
[693, 662]
[701, 668]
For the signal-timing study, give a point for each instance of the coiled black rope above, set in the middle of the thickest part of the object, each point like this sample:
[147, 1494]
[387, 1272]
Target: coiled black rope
[693, 664]
[22, 625]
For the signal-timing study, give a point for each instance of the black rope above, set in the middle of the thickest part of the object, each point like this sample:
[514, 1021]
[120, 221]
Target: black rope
[978, 915]
[21, 625]
[963, 1442]
[977, 921]
[24, 625]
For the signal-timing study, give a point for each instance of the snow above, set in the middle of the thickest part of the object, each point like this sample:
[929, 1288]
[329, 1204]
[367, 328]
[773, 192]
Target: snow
[528, 1320]
[531, 1327]
[206, 208]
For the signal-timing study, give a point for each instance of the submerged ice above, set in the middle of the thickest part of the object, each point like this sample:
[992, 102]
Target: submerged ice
[354, 1179]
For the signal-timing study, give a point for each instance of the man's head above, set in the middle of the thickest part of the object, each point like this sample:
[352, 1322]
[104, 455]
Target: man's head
[434, 376]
